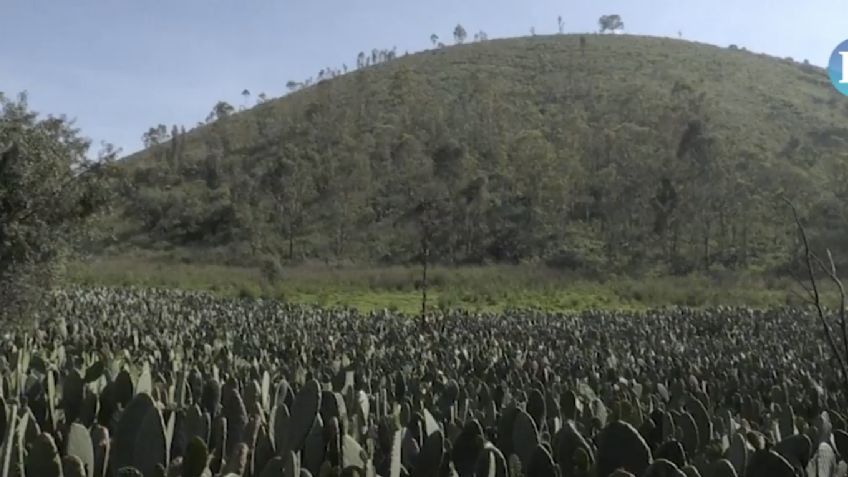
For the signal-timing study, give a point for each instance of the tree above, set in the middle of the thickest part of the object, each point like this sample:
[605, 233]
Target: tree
[261, 98]
[293, 86]
[245, 94]
[50, 192]
[291, 187]
[175, 145]
[360, 60]
[434, 39]
[221, 110]
[560, 25]
[532, 31]
[611, 23]
[459, 34]
[155, 136]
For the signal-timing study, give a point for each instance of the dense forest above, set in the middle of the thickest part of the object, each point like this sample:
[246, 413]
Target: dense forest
[593, 152]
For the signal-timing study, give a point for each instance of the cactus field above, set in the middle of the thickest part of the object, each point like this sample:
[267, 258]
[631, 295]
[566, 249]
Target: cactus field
[125, 382]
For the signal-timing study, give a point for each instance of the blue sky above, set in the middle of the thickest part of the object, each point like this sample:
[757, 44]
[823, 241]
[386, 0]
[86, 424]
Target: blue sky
[121, 66]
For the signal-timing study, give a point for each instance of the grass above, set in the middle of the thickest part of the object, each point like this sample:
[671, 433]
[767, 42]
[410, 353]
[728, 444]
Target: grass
[483, 288]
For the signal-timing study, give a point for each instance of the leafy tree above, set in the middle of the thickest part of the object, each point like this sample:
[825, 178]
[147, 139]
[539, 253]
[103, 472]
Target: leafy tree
[221, 110]
[560, 25]
[155, 136]
[611, 23]
[459, 34]
[245, 94]
[290, 185]
[50, 191]
[434, 39]
[175, 145]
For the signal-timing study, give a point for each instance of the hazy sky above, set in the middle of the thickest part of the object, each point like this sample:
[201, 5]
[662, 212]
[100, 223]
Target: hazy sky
[121, 66]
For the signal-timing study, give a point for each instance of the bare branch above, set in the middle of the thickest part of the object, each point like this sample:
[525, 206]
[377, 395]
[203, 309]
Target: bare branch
[810, 257]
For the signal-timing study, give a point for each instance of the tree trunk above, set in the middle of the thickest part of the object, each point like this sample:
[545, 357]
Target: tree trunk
[425, 256]
[291, 242]
[707, 245]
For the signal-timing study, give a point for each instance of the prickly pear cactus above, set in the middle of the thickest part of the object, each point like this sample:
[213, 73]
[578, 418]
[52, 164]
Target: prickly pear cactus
[738, 453]
[101, 445]
[72, 395]
[722, 468]
[151, 449]
[72, 466]
[541, 464]
[691, 437]
[430, 458]
[797, 450]
[621, 446]
[237, 460]
[663, 468]
[304, 411]
[536, 407]
[127, 431]
[195, 458]
[766, 463]
[274, 468]
[568, 442]
[840, 439]
[236, 414]
[672, 451]
[78, 444]
[491, 463]
[43, 458]
[525, 437]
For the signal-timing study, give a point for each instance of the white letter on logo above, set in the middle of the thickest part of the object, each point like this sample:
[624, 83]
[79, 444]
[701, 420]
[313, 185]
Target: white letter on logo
[844, 79]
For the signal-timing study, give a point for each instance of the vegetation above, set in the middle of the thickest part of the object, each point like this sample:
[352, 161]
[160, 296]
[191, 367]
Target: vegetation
[494, 288]
[49, 192]
[600, 153]
[170, 383]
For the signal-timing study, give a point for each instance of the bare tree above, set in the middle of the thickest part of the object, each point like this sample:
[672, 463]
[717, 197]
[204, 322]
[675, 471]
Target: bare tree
[815, 265]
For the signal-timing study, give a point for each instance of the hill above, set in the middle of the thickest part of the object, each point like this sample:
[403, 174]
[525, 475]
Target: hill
[598, 152]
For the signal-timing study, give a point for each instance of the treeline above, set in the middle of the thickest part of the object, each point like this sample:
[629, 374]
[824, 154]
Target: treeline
[607, 23]
[472, 167]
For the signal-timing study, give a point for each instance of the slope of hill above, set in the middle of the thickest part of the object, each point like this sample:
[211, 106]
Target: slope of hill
[593, 152]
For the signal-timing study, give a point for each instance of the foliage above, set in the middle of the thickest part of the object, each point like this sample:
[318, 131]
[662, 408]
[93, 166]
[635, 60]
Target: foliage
[188, 384]
[489, 288]
[49, 192]
[611, 23]
[611, 154]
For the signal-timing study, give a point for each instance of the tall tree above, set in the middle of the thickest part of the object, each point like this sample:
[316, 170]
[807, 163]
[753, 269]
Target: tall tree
[611, 23]
[155, 136]
[434, 39]
[245, 94]
[221, 110]
[459, 34]
[560, 25]
[49, 193]
[289, 182]
[175, 145]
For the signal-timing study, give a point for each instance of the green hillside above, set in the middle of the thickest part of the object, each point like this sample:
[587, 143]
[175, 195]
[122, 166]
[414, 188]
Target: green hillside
[599, 153]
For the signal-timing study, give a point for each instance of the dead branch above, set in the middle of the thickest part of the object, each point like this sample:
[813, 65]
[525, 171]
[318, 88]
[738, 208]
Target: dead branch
[810, 258]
